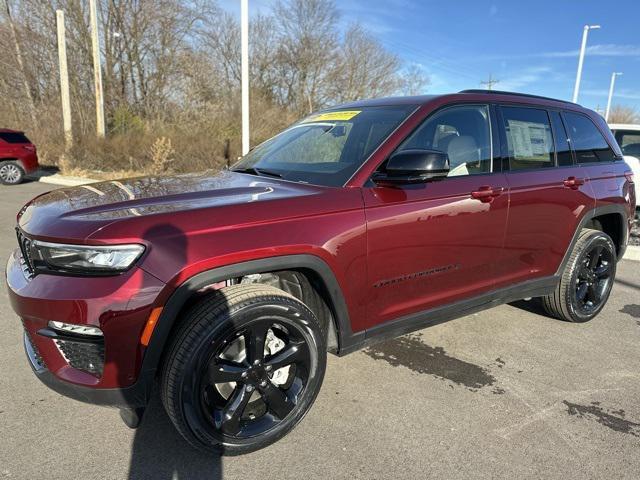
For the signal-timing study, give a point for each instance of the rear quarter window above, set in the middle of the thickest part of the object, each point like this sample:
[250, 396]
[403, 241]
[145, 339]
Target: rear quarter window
[14, 137]
[587, 140]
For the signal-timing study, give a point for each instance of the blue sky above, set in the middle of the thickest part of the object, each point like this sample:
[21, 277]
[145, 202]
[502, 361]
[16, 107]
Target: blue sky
[528, 46]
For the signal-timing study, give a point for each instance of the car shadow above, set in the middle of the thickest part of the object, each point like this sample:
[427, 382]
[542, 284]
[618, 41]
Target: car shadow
[532, 306]
[159, 452]
[627, 284]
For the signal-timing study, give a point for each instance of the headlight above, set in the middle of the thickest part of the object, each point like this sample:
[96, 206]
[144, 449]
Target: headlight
[83, 258]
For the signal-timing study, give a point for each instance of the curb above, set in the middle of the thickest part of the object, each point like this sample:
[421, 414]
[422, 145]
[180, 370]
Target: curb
[632, 253]
[63, 180]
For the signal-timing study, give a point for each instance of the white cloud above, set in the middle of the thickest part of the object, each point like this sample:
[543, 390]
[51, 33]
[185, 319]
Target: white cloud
[625, 94]
[603, 50]
[527, 77]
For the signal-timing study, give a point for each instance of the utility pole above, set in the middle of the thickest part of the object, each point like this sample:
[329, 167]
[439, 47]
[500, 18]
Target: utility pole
[490, 83]
[97, 68]
[583, 49]
[64, 81]
[244, 42]
[613, 82]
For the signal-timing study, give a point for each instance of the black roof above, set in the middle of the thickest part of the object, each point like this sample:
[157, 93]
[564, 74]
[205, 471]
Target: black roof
[501, 92]
[422, 99]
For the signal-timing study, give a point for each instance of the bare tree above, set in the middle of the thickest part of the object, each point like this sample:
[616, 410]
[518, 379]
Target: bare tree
[623, 114]
[20, 61]
[308, 39]
[413, 80]
[363, 68]
[171, 69]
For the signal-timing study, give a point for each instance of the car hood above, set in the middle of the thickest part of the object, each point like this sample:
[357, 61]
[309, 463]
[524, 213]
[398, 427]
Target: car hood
[78, 212]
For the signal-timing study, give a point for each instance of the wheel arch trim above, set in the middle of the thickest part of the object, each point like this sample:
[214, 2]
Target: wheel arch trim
[590, 215]
[192, 285]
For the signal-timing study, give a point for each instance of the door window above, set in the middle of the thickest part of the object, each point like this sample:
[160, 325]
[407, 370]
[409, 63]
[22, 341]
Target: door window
[463, 133]
[529, 138]
[589, 144]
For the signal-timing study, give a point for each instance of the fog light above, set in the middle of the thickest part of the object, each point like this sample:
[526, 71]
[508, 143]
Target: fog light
[76, 329]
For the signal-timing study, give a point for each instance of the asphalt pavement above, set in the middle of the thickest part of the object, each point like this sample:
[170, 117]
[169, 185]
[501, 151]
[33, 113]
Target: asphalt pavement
[506, 393]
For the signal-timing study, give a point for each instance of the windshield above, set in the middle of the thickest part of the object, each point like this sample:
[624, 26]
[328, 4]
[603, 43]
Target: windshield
[325, 148]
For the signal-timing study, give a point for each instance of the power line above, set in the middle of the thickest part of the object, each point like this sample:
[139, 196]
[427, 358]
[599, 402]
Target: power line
[490, 83]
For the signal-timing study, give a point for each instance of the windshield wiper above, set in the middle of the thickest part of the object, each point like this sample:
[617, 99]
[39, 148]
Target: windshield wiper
[258, 171]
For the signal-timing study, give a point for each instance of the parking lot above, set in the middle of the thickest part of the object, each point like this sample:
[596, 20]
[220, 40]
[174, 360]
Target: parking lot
[506, 393]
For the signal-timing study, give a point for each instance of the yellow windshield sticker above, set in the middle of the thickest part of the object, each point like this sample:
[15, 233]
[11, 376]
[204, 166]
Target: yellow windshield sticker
[333, 116]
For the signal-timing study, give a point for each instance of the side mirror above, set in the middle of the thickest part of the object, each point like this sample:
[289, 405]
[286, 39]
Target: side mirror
[413, 166]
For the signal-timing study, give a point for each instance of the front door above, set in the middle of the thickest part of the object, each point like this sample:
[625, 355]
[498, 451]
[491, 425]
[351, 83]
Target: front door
[438, 242]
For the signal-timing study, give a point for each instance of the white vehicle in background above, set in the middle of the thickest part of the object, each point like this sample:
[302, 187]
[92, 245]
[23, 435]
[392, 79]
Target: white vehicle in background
[628, 137]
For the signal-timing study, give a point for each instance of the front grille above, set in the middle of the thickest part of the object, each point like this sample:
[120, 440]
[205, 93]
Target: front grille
[85, 356]
[25, 249]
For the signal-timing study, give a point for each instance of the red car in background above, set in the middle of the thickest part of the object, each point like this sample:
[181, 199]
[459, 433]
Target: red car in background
[18, 156]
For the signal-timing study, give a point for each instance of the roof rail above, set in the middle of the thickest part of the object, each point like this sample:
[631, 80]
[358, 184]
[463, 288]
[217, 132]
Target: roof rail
[500, 92]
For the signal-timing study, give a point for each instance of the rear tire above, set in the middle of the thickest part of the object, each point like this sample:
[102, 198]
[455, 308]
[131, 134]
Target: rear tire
[244, 368]
[11, 173]
[587, 279]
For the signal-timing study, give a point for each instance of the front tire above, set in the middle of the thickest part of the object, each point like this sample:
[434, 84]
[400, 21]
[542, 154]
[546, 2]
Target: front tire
[587, 279]
[244, 368]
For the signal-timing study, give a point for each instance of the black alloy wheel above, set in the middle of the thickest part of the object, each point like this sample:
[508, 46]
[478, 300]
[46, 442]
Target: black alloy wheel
[594, 278]
[244, 369]
[247, 390]
[586, 278]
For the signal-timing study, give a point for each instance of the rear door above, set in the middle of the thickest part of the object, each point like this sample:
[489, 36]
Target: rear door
[434, 243]
[595, 154]
[548, 192]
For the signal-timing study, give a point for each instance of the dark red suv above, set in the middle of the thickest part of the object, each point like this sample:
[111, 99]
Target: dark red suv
[356, 224]
[18, 156]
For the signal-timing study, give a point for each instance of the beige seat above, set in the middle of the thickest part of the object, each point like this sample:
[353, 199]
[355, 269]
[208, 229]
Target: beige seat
[463, 155]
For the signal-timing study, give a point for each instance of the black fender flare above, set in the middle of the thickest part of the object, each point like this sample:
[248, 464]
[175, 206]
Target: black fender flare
[191, 286]
[586, 218]
[137, 395]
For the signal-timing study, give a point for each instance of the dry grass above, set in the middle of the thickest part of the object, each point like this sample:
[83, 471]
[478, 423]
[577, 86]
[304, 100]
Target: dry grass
[184, 142]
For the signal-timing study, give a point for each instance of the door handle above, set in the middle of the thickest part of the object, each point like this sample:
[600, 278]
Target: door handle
[573, 182]
[486, 194]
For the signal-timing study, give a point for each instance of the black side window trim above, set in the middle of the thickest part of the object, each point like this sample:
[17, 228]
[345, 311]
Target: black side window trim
[566, 132]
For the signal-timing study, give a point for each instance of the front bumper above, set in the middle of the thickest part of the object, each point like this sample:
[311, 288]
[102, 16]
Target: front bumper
[133, 396]
[118, 305]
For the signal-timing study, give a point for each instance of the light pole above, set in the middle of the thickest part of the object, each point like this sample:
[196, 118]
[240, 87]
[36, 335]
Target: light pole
[585, 34]
[244, 47]
[613, 82]
[97, 69]
[64, 81]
